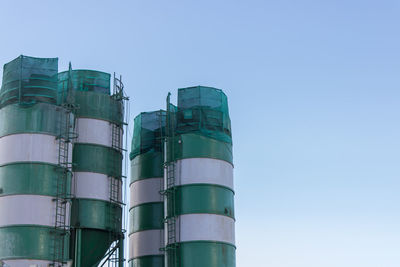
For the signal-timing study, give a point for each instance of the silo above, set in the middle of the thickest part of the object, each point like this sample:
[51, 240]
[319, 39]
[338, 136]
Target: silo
[146, 211]
[199, 217]
[96, 215]
[35, 160]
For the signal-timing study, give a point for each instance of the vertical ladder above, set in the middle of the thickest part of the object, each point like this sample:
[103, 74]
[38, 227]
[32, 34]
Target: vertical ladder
[115, 183]
[66, 135]
[171, 245]
[161, 140]
[114, 186]
[171, 220]
[61, 228]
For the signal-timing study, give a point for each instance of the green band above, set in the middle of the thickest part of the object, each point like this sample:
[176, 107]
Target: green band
[98, 106]
[204, 253]
[96, 214]
[97, 158]
[29, 242]
[38, 118]
[147, 261]
[30, 179]
[146, 216]
[202, 198]
[198, 146]
[147, 165]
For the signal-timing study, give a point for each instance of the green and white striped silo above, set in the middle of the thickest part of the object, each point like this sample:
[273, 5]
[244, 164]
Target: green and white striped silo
[35, 165]
[96, 215]
[146, 210]
[199, 217]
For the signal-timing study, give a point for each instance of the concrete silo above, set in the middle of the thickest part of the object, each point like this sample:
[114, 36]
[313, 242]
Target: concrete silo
[35, 165]
[96, 215]
[199, 210]
[146, 211]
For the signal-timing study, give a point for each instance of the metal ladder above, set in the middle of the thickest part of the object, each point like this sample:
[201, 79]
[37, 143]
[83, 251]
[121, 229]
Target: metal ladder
[115, 183]
[171, 220]
[64, 172]
[171, 245]
[66, 135]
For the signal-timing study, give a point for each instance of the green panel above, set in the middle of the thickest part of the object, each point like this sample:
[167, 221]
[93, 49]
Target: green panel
[97, 158]
[206, 253]
[96, 214]
[147, 261]
[147, 165]
[98, 106]
[30, 178]
[94, 245]
[28, 242]
[146, 216]
[198, 146]
[203, 198]
[37, 118]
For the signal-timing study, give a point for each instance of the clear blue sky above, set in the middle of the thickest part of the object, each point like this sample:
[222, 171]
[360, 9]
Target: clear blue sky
[314, 95]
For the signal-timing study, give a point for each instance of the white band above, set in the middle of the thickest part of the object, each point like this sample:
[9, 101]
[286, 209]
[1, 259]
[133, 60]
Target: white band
[29, 209]
[145, 243]
[145, 191]
[204, 171]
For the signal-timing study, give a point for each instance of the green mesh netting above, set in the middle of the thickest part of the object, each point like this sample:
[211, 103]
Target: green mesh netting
[85, 80]
[203, 110]
[99, 106]
[90, 92]
[38, 118]
[29, 80]
[148, 131]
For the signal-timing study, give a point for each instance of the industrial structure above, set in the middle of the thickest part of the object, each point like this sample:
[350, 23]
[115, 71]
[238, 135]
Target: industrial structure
[62, 175]
[61, 178]
[182, 211]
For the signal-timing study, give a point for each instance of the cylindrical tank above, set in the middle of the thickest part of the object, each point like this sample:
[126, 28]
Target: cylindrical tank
[146, 210]
[34, 172]
[96, 215]
[199, 181]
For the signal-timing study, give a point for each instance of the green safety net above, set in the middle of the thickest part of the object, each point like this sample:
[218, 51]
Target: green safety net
[203, 110]
[89, 90]
[99, 106]
[148, 131]
[38, 118]
[85, 80]
[29, 80]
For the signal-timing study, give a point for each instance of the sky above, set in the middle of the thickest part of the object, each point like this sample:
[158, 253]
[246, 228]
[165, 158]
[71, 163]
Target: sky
[313, 90]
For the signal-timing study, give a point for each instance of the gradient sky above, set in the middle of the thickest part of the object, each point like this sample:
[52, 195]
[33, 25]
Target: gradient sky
[313, 89]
